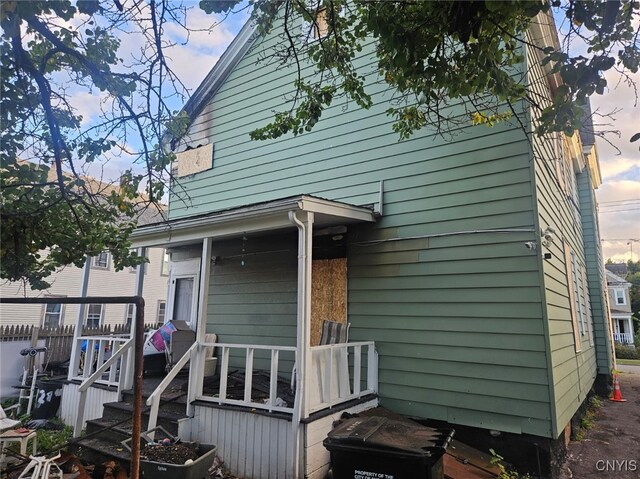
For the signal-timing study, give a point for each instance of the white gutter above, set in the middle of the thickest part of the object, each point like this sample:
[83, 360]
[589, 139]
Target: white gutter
[305, 234]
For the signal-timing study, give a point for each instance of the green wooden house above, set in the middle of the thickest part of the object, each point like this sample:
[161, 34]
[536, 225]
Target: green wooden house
[468, 270]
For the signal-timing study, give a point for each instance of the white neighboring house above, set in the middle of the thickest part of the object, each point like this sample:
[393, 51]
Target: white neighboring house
[620, 306]
[104, 280]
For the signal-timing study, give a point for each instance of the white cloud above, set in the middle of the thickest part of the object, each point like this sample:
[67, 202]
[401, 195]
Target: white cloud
[207, 31]
[613, 166]
[619, 224]
[89, 105]
[191, 66]
[617, 167]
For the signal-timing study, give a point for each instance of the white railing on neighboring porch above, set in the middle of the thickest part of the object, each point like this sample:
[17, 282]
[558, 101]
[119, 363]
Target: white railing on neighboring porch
[249, 350]
[342, 372]
[623, 338]
[100, 350]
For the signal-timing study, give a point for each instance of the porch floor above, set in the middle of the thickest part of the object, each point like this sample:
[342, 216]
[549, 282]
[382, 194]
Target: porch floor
[177, 387]
[260, 383]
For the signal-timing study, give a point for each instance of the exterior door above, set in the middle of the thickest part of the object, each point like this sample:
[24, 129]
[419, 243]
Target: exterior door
[182, 303]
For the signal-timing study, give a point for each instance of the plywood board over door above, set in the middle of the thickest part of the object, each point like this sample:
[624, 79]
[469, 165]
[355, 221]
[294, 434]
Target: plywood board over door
[328, 294]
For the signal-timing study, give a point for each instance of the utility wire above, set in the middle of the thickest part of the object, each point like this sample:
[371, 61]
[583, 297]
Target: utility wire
[621, 211]
[618, 201]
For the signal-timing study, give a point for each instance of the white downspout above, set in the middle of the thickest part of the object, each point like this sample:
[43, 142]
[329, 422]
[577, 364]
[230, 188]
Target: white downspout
[300, 409]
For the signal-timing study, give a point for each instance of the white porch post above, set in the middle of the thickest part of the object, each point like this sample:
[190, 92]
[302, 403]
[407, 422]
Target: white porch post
[77, 332]
[139, 286]
[196, 370]
[303, 351]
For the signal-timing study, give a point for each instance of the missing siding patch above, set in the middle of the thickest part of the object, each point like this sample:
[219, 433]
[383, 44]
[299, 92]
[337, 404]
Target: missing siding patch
[195, 160]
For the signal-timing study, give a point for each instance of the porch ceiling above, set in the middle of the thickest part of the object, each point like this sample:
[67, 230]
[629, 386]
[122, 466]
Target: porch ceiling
[267, 216]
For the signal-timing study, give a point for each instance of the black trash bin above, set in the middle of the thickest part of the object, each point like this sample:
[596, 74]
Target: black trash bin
[382, 448]
[46, 401]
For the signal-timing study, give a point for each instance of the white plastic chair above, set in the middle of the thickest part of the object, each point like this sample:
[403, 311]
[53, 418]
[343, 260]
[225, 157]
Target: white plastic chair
[6, 423]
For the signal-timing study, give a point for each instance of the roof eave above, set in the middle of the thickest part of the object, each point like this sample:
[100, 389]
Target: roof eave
[261, 217]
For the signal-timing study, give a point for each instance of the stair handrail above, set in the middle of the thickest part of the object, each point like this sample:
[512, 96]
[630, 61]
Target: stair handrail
[154, 399]
[84, 386]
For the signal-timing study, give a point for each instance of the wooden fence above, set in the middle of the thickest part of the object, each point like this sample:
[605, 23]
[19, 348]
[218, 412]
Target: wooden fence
[58, 340]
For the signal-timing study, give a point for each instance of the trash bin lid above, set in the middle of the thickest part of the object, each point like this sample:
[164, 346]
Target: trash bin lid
[391, 435]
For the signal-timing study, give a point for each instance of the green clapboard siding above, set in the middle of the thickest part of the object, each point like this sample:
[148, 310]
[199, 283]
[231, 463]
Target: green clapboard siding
[252, 296]
[596, 274]
[456, 311]
[572, 373]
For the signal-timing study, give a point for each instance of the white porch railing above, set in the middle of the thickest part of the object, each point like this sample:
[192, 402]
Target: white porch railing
[100, 350]
[333, 382]
[623, 338]
[248, 401]
[121, 350]
[340, 373]
[156, 395]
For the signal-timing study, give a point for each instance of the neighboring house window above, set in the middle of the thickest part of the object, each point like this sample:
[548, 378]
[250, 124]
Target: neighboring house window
[162, 309]
[102, 260]
[129, 315]
[165, 263]
[52, 317]
[319, 27]
[94, 315]
[619, 295]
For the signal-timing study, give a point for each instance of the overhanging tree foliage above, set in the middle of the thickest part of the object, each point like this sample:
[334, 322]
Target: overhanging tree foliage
[430, 53]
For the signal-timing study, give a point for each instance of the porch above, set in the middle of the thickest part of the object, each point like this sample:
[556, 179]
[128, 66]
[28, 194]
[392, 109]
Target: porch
[622, 329]
[272, 374]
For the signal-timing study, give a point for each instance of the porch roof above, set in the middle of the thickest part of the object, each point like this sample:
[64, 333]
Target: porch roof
[256, 217]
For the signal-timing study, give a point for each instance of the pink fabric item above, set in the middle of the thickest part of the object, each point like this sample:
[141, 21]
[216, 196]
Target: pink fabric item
[162, 335]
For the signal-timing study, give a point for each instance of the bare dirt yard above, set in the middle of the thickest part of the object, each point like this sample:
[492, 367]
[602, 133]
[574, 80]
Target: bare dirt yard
[611, 449]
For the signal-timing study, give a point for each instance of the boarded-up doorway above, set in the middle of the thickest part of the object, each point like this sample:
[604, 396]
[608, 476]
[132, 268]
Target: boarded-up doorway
[328, 294]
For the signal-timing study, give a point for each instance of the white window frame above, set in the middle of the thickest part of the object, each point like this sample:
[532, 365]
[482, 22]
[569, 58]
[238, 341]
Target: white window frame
[97, 263]
[587, 298]
[45, 313]
[188, 269]
[129, 313]
[164, 265]
[162, 304]
[100, 319]
[618, 294]
[578, 298]
[572, 297]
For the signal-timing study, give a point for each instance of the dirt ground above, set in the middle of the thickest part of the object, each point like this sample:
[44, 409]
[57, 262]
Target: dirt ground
[611, 449]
